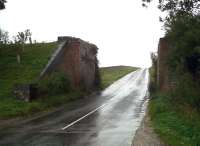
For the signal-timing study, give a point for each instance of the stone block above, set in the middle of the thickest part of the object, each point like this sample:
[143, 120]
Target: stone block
[25, 92]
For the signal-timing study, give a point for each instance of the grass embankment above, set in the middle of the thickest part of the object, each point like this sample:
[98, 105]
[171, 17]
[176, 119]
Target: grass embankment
[33, 59]
[176, 123]
[111, 74]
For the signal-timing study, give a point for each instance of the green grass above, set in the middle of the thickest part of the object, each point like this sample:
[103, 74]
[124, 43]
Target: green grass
[111, 74]
[33, 60]
[13, 108]
[177, 125]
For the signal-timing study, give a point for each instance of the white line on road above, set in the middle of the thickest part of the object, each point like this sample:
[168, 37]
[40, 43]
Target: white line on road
[72, 123]
[84, 116]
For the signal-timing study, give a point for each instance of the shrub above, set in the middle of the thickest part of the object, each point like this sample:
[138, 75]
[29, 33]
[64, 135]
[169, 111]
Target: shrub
[184, 38]
[187, 91]
[153, 75]
[54, 83]
[152, 87]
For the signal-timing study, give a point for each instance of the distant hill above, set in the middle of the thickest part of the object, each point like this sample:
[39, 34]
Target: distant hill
[113, 73]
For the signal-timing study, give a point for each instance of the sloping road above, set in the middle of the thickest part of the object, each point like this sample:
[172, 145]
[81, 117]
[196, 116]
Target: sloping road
[108, 119]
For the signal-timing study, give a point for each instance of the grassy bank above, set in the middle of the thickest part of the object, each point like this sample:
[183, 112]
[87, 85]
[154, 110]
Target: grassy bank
[33, 59]
[177, 125]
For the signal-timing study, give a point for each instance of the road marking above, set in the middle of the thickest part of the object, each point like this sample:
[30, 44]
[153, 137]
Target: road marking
[72, 123]
[84, 116]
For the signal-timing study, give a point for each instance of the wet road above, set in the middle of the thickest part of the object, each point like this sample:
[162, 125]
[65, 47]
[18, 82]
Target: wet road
[108, 119]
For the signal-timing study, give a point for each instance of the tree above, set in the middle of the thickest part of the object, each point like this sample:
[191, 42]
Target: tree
[19, 52]
[20, 40]
[4, 37]
[184, 37]
[22, 37]
[176, 7]
[2, 4]
[30, 39]
[18, 48]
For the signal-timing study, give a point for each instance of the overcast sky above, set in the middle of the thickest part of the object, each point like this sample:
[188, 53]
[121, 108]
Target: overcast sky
[123, 30]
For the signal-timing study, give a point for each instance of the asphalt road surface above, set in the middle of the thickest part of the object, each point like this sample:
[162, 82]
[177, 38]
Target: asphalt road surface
[110, 118]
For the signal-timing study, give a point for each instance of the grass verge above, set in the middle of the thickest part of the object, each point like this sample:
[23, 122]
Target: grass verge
[175, 123]
[11, 107]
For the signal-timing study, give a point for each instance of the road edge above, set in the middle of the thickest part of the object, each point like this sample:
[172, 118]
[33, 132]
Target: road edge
[145, 135]
[12, 122]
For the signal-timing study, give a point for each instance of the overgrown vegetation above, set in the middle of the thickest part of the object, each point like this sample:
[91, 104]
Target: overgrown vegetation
[176, 124]
[184, 61]
[54, 84]
[166, 109]
[176, 114]
[153, 73]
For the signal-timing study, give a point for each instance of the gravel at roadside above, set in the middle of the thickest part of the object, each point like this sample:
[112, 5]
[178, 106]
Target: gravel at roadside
[145, 136]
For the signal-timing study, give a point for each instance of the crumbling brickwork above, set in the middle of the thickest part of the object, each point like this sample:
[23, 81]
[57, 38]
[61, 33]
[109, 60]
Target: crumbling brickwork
[77, 59]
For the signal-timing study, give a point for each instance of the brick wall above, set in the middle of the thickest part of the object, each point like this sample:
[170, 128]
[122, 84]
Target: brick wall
[77, 59]
[70, 63]
[162, 68]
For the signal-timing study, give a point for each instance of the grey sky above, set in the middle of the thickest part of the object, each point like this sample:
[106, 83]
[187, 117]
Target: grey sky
[124, 31]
